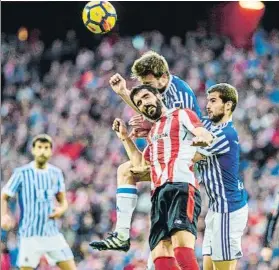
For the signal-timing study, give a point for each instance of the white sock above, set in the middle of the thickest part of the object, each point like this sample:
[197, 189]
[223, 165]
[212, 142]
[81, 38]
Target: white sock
[126, 201]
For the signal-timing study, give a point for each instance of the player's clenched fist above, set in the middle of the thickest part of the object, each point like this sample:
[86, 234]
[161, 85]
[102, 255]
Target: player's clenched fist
[120, 128]
[118, 84]
[7, 222]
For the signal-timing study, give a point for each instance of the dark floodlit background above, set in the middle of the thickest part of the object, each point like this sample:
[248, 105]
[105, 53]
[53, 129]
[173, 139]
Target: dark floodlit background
[55, 77]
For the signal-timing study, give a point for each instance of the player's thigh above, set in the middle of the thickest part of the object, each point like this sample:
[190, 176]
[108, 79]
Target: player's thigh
[183, 238]
[124, 175]
[225, 265]
[29, 253]
[67, 265]
[226, 236]
[163, 249]
[207, 238]
[184, 207]
[58, 250]
[158, 227]
[207, 263]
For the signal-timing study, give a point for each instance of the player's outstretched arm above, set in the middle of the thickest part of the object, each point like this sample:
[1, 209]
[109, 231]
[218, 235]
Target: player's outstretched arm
[133, 152]
[118, 85]
[7, 222]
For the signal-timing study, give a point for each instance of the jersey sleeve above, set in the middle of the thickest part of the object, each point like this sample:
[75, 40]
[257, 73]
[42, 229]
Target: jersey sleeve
[189, 119]
[219, 146]
[13, 185]
[60, 182]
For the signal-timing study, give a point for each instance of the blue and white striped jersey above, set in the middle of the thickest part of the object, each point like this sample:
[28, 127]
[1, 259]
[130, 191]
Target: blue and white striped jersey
[220, 171]
[179, 94]
[36, 189]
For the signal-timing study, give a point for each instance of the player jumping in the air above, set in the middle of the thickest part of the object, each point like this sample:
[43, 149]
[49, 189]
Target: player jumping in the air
[228, 209]
[37, 184]
[176, 201]
[150, 69]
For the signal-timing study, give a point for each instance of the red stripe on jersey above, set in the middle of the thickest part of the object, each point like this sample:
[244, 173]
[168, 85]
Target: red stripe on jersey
[196, 122]
[146, 153]
[191, 202]
[151, 153]
[174, 138]
[161, 148]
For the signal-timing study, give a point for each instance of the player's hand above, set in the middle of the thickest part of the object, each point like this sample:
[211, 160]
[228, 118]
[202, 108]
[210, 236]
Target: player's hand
[141, 127]
[266, 253]
[201, 141]
[141, 172]
[118, 84]
[120, 128]
[7, 222]
[57, 212]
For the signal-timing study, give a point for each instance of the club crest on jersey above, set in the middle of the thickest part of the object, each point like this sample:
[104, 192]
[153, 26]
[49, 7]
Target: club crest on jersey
[159, 136]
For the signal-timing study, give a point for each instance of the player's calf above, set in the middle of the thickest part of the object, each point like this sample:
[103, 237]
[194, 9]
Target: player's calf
[183, 243]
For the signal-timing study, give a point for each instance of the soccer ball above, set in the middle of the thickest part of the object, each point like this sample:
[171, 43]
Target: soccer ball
[99, 16]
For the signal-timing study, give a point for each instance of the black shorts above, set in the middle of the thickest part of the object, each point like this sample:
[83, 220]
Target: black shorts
[175, 207]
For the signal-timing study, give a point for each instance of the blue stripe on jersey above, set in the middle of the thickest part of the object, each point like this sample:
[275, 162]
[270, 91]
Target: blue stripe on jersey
[127, 190]
[178, 90]
[36, 190]
[220, 170]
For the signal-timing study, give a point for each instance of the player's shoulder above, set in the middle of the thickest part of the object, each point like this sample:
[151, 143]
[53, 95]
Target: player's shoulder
[54, 168]
[229, 130]
[23, 168]
[180, 84]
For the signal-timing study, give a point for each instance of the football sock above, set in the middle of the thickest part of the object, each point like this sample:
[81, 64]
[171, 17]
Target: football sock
[166, 263]
[186, 258]
[126, 201]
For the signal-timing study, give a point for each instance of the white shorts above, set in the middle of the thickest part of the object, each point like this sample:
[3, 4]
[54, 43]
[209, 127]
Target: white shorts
[222, 236]
[54, 248]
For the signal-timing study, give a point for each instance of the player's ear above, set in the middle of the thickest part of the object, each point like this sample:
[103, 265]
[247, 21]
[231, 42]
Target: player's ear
[229, 105]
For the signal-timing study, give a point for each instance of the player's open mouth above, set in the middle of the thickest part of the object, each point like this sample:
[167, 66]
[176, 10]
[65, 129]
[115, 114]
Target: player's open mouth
[151, 110]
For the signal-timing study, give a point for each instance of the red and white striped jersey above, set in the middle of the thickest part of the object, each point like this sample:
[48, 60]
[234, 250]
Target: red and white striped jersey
[169, 149]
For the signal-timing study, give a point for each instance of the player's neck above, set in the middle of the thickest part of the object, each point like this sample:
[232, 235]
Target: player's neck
[40, 166]
[225, 119]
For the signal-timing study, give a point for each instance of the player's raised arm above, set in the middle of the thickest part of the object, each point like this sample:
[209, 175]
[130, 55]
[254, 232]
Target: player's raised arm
[133, 152]
[118, 85]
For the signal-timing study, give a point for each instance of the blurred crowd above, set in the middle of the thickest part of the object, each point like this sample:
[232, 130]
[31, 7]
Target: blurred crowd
[63, 90]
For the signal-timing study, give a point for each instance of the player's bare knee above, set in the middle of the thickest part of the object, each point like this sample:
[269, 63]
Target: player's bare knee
[183, 239]
[124, 175]
[163, 249]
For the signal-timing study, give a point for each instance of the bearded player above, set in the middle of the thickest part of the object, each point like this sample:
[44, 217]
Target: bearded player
[176, 201]
[37, 184]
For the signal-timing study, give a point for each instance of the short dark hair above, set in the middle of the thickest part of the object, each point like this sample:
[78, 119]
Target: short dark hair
[44, 138]
[227, 93]
[150, 63]
[139, 88]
